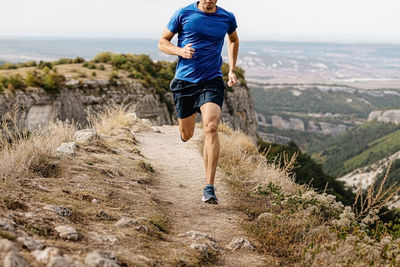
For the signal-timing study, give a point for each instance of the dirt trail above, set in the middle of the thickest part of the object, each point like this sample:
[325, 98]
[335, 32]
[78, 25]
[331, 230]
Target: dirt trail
[180, 171]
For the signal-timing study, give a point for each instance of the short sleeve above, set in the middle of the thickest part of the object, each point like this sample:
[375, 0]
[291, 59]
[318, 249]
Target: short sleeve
[232, 25]
[175, 22]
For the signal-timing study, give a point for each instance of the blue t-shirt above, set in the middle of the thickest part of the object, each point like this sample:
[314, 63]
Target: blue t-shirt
[206, 31]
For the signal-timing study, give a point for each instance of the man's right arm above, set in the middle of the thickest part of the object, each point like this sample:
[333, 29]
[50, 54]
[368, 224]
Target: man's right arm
[169, 48]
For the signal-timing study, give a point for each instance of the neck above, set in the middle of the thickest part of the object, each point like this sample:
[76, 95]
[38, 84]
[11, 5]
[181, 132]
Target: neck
[206, 10]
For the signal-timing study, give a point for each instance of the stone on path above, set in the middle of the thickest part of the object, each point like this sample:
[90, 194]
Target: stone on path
[13, 259]
[196, 234]
[44, 256]
[84, 135]
[30, 243]
[101, 259]
[126, 221]
[62, 211]
[240, 243]
[67, 232]
[66, 149]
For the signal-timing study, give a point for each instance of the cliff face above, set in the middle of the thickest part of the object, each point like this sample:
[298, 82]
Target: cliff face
[238, 111]
[78, 99]
[392, 116]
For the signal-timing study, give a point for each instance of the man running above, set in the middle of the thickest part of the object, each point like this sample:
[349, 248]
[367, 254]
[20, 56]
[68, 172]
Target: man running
[198, 84]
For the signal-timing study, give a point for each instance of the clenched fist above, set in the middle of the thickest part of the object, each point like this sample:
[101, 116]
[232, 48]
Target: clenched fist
[187, 51]
[232, 79]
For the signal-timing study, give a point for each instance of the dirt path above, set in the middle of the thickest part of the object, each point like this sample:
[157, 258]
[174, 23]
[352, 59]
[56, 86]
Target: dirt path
[179, 169]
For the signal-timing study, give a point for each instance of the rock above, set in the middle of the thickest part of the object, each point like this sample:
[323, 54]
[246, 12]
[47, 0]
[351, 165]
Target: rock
[392, 116]
[195, 234]
[101, 259]
[7, 246]
[44, 256]
[7, 225]
[67, 232]
[62, 211]
[85, 135]
[33, 216]
[13, 259]
[103, 215]
[104, 238]
[95, 201]
[266, 215]
[58, 261]
[66, 149]
[142, 228]
[126, 221]
[30, 243]
[240, 243]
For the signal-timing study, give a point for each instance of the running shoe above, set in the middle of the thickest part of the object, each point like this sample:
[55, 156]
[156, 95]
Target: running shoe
[209, 195]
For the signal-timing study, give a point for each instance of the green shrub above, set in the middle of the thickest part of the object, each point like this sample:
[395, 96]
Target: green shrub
[43, 64]
[34, 79]
[90, 65]
[94, 74]
[14, 82]
[103, 57]
[101, 67]
[53, 81]
[78, 60]
[8, 66]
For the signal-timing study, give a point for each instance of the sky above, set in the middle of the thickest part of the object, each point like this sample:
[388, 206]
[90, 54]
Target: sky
[281, 20]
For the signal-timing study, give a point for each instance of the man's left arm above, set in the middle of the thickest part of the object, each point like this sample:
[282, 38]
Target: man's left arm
[233, 50]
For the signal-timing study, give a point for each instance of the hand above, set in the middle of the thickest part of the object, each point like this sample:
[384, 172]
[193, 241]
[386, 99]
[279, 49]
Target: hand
[187, 51]
[232, 78]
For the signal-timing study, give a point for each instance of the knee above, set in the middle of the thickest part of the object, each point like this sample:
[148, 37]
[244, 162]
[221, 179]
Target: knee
[186, 135]
[211, 128]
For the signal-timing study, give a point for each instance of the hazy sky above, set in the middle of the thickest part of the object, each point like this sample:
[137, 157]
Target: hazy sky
[303, 20]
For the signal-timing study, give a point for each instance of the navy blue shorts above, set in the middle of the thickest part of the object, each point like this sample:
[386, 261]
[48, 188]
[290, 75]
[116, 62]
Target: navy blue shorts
[189, 97]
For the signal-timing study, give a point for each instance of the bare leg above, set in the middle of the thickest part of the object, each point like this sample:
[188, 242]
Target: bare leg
[211, 113]
[186, 127]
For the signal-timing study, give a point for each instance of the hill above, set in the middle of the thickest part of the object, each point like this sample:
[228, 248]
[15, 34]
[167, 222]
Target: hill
[358, 147]
[319, 109]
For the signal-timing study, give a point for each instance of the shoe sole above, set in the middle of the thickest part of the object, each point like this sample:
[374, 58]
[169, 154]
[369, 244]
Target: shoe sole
[210, 200]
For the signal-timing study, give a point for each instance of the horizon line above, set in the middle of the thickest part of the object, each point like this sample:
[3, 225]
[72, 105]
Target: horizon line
[284, 40]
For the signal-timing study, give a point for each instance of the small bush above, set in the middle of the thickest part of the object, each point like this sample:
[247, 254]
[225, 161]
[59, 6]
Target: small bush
[8, 66]
[43, 64]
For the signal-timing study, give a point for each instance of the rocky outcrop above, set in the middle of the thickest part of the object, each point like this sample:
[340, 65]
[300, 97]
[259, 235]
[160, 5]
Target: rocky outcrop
[238, 111]
[78, 99]
[392, 116]
[299, 125]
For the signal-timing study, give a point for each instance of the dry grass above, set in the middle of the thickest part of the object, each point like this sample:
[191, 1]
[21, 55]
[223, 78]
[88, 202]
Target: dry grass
[22, 153]
[374, 201]
[114, 117]
[240, 159]
[293, 223]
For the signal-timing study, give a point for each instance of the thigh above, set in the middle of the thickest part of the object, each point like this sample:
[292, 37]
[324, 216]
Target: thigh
[187, 124]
